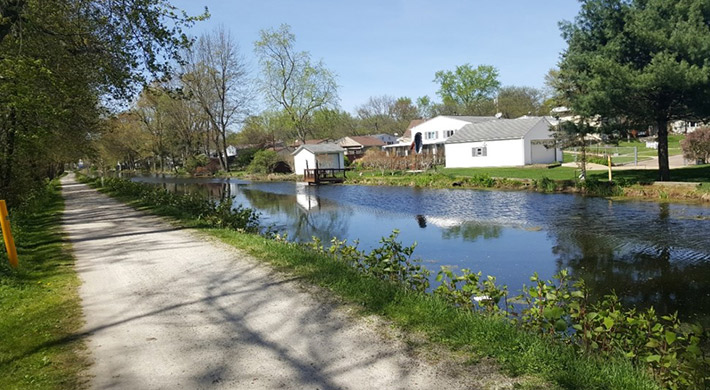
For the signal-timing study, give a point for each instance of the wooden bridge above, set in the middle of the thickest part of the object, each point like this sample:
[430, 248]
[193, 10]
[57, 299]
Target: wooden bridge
[324, 175]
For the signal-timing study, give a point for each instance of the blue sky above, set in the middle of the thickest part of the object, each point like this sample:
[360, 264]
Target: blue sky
[394, 47]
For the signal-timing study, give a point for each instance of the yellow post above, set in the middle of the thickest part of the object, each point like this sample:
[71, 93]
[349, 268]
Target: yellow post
[609, 157]
[7, 234]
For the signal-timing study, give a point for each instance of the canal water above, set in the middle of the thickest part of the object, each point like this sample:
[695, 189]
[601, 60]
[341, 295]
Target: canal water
[649, 253]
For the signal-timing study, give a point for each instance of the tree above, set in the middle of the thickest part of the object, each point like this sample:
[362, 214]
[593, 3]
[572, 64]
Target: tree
[385, 114]
[696, 145]
[514, 102]
[217, 76]
[570, 134]
[470, 90]
[291, 81]
[332, 123]
[644, 61]
[425, 107]
[264, 130]
[59, 61]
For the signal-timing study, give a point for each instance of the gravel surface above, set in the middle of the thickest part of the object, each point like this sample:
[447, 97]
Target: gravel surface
[168, 309]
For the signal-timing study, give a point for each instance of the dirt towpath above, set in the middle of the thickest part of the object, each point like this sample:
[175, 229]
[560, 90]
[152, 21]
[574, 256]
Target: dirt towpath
[167, 309]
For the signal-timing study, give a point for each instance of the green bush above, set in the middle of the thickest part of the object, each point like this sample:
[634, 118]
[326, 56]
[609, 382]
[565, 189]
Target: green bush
[244, 157]
[264, 161]
[193, 162]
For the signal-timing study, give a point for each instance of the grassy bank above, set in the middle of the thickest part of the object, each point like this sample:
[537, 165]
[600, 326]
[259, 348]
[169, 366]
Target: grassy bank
[39, 303]
[546, 363]
[627, 183]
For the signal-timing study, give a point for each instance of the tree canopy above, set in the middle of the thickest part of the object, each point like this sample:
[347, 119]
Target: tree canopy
[291, 80]
[644, 62]
[470, 89]
[59, 61]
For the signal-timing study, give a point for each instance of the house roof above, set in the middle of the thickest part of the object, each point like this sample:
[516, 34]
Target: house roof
[312, 142]
[320, 149]
[500, 129]
[471, 119]
[412, 123]
[361, 141]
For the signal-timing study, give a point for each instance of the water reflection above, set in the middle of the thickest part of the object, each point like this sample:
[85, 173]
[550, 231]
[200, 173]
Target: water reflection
[649, 253]
[303, 215]
[657, 261]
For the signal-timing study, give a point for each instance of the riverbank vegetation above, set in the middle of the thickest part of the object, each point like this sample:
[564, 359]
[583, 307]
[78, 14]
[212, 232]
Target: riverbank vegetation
[691, 185]
[41, 311]
[554, 331]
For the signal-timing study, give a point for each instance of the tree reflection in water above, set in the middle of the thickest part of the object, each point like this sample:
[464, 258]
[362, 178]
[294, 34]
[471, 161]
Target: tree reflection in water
[307, 215]
[642, 266]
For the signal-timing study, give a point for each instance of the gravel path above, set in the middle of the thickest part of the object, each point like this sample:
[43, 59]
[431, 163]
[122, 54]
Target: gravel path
[166, 309]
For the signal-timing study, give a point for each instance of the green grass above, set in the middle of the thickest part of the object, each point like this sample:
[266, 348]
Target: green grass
[39, 305]
[556, 173]
[691, 174]
[476, 336]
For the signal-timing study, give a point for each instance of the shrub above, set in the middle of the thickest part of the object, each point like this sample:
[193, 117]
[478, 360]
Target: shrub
[195, 162]
[696, 145]
[244, 157]
[264, 161]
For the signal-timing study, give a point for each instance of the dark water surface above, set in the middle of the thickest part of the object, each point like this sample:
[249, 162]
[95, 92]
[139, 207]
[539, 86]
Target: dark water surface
[649, 253]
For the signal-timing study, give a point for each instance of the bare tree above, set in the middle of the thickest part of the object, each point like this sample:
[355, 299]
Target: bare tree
[217, 75]
[291, 81]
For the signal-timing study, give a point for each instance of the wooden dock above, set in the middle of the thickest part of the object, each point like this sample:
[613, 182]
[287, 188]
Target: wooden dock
[324, 175]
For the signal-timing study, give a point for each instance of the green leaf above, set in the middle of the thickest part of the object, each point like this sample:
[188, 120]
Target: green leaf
[560, 325]
[608, 323]
[653, 358]
[670, 337]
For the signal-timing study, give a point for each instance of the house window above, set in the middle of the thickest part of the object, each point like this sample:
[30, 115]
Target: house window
[479, 152]
[448, 133]
[431, 135]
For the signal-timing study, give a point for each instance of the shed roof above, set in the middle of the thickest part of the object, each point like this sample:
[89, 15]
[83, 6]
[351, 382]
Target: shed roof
[320, 149]
[500, 129]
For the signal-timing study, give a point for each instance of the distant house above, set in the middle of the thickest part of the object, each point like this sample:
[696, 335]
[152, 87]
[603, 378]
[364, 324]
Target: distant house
[356, 146]
[387, 139]
[503, 142]
[318, 156]
[434, 133]
[313, 142]
[685, 127]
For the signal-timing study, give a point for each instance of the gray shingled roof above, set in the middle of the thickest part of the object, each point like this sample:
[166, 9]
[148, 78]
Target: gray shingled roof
[471, 119]
[499, 129]
[320, 148]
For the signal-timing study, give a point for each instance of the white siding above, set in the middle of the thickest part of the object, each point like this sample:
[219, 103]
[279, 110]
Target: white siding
[505, 153]
[539, 154]
[329, 160]
[299, 161]
[439, 125]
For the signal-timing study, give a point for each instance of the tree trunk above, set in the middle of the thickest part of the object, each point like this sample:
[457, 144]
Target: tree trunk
[664, 171]
[224, 149]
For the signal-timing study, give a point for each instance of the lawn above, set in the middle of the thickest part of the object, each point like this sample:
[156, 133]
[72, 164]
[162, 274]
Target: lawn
[623, 153]
[41, 312]
[556, 173]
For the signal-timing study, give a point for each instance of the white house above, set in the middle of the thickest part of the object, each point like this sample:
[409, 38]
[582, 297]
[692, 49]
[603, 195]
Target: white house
[318, 156]
[685, 127]
[434, 133]
[501, 143]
